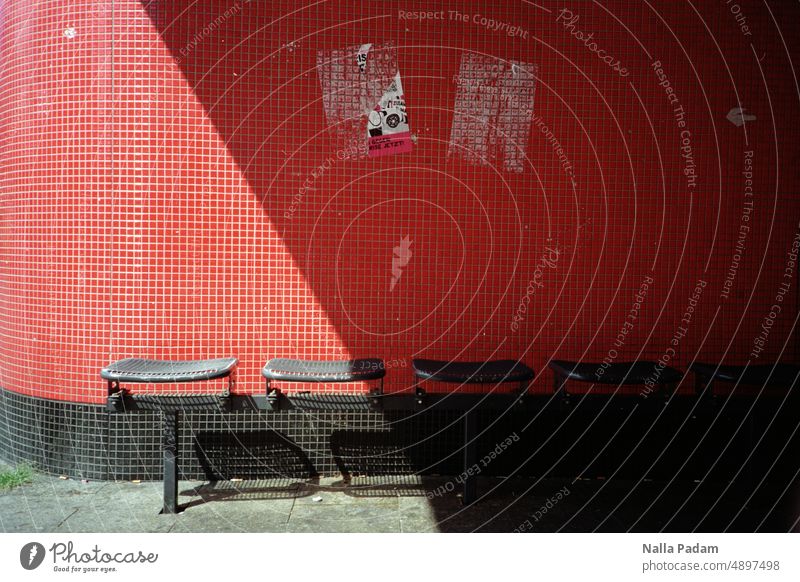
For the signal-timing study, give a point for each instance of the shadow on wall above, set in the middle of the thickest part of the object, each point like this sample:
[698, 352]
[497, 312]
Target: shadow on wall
[408, 253]
[421, 252]
[431, 252]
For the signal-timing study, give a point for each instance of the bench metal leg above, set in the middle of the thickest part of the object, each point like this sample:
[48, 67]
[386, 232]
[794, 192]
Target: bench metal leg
[170, 448]
[560, 386]
[470, 459]
[702, 383]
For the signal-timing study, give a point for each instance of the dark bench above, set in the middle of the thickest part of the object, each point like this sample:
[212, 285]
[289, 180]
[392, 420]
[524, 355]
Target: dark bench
[743, 380]
[491, 372]
[141, 371]
[619, 373]
[761, 375]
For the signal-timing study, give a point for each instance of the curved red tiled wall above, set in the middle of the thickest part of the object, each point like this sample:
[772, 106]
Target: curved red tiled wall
[173, 188]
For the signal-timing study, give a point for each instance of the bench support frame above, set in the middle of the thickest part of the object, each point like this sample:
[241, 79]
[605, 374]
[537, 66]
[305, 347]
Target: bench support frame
[471, 403]
[169, 444]
[122, 401]
[470, 458]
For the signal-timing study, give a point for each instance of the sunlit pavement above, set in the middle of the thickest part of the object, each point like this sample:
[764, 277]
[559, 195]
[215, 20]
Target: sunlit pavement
[393, 504]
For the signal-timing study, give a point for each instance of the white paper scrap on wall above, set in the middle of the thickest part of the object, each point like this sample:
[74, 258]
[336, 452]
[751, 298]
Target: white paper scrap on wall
[493, 111]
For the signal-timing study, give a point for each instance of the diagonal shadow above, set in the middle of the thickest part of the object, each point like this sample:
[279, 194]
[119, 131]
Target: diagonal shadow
[254, 67]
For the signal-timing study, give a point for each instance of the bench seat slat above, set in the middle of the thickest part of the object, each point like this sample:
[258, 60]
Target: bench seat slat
[491, 372]
[616, 373]
[759, 375]
[139, 370]
[290, 370]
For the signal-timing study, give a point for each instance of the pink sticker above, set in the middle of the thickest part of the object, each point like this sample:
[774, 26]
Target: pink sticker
[384, 145]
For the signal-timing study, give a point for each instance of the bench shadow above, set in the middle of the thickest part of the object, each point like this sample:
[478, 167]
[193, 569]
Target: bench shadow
[637, 468]
[252, 465]
[381, 464]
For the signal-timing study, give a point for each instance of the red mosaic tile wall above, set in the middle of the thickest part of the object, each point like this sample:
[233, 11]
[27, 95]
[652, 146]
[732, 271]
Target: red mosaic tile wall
[192, 179]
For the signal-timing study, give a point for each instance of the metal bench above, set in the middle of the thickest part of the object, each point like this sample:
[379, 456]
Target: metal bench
[279, 370]
[761, 375]
[316, 371]
[619, 373]
[491, 372]
[141, 371]
[744, 379]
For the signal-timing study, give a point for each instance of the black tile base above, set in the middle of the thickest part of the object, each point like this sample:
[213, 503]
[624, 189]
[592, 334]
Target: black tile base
[86, 441]
[686, 440]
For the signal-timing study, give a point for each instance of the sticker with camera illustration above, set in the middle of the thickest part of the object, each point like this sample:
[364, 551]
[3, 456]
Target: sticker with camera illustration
[388, 131]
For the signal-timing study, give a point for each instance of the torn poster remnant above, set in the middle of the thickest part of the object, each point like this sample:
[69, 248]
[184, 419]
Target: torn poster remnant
[362, 95]
[361, 57]
[387, 127]
[493, 111]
